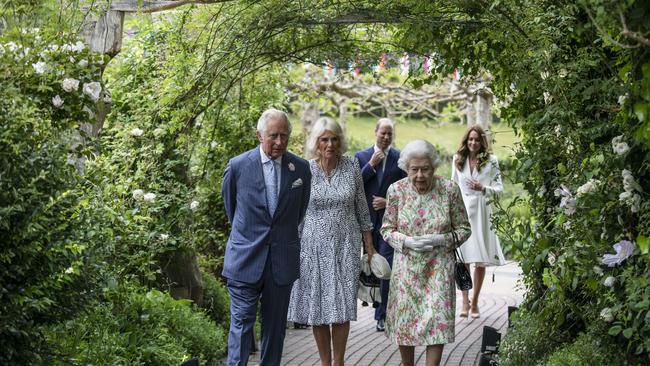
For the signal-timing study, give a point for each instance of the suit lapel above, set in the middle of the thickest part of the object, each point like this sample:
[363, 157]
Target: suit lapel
[257, 170]
[286, 177]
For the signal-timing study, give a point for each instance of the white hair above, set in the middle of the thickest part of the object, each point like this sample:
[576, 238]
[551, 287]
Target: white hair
[318, 129]
[418, 149]
[272, 114]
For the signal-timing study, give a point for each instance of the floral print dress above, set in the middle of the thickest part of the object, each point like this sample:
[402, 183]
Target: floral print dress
[421, 302]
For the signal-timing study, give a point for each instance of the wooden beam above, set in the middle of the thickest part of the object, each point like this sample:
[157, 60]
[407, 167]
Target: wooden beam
[152, 6]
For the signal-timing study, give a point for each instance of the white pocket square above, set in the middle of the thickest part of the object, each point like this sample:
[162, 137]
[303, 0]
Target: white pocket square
[296, 183]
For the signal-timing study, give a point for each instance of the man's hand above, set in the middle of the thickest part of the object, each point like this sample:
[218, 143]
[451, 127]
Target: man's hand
[417, 245]
[378, 203]
[376, 158]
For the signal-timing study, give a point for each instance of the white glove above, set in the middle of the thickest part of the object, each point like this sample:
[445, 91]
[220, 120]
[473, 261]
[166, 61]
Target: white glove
[417, 245]
[434, 240]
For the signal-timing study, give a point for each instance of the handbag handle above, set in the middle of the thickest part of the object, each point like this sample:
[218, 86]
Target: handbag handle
[459, 255]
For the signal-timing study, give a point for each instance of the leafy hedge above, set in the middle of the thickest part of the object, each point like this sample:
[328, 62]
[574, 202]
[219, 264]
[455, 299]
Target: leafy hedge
[136, 326]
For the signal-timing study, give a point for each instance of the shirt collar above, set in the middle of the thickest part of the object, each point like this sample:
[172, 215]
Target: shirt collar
[385, 151]
[265, 158]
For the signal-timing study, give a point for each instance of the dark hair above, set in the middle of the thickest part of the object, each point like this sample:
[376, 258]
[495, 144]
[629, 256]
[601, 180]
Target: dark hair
[463, 151]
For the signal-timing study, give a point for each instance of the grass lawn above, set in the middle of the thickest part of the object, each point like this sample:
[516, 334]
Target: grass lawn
[447, 136]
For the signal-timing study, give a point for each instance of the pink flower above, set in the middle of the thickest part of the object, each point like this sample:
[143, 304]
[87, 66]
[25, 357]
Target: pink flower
[421, 212]
[442, 326]
[418, 222]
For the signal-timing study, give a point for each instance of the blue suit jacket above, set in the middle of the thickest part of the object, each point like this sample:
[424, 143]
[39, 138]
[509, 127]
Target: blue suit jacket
[255, 234]
[376, 185]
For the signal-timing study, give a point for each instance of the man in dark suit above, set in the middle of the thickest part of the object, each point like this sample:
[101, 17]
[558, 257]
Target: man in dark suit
[266, 192]
[379, 170]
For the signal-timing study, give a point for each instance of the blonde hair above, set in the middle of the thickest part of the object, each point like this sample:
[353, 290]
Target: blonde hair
[320, 126]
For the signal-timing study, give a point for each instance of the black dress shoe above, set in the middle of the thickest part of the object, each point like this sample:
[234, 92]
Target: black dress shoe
[380, 325]
[299, 326]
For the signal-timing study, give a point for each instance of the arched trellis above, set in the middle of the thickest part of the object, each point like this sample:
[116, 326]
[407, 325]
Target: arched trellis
[104, 33]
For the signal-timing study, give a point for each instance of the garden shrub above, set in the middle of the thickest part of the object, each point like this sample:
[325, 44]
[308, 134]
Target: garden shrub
[528, 340]
[136, 326]
[216, 300]
[588, 349]
[44, 252]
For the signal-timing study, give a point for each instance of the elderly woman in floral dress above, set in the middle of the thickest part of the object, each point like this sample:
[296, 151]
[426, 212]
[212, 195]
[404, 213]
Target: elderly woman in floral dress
[423, 214]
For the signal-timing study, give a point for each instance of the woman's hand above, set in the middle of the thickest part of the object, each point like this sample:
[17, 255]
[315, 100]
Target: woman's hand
[434, 240]
[417, 245]
[475, 185]
[367, 241]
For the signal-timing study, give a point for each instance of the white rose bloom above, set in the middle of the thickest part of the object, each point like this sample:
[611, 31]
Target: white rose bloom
[551, 259]
[622, 99]
[213, 145]
[164, 236]
[78, 47]
[563, 73]
[607, 315]
[624, 196]
[92, 90]
[40, 67]
[548, 98]
[57, 101]
[136, 132]
[70, 84]
[194, 205]
[138, 194]
[629, 184]
[12, 46]
[544, 75]
[619, 145]
[69, 270]
[609, 281]
[588, 187]
[621, 148]
[149, 197]
[83, 63]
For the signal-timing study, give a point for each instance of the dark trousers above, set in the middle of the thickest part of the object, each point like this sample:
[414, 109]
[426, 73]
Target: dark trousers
[274, 304]
[385, 251]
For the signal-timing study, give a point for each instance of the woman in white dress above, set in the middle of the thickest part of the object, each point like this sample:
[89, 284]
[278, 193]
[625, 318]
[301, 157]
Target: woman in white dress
[336, 224]
[477, 173]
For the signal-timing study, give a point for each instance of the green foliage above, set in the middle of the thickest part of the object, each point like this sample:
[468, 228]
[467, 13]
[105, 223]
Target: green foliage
[135, 326]
[44, 254]
[530, 341]
[216, 300]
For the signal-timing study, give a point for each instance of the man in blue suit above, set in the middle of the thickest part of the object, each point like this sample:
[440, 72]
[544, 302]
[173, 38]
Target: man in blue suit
[379, 170]
[266, 192]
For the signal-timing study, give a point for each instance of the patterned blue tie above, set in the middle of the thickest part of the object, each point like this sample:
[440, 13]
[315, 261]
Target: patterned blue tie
[273, 197]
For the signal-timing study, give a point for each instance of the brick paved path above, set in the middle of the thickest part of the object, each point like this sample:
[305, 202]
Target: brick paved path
[368, 347]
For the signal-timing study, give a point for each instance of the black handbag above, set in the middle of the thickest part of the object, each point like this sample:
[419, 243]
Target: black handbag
[463, 278]
[368, 280]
